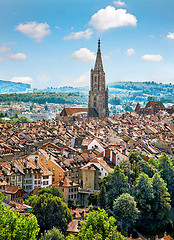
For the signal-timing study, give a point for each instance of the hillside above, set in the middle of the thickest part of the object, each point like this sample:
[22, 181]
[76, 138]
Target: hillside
[142, 91]
[12, 87]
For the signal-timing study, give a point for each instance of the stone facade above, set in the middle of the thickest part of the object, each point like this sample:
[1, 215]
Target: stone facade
[98, 94]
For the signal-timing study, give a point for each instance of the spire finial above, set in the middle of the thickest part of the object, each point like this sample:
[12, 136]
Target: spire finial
[99, 45]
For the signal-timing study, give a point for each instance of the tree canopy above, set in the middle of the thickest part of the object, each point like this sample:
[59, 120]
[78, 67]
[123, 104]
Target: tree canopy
[125, 209]
[51, 212]
[15, 226]
[115, 183]
[53, 234]
[98, 226]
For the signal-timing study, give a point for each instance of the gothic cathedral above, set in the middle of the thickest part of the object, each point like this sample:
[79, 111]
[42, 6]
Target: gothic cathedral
[98, 94]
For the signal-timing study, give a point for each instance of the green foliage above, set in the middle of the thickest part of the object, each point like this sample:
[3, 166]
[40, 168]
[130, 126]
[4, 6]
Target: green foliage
[30, 199]
[102, 200]
[161, 202]
[53, 234]
[153, 200]
[142, 91]
[143, 196]
[51, 212]
[16, 227]
[54, 190]
[136, 156]
[43, 97]
[72, 204]
[147, 168]
[1, 115]
[166, 169]
[93, 199]
[98, 226]
[125, 210]
[115, 183]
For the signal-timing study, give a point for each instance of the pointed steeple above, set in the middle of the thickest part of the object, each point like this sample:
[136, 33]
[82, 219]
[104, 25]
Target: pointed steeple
[98, 62]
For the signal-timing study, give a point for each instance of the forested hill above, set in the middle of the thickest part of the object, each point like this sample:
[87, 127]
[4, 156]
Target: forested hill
[142, 91]
[12, 87]
[118, 92]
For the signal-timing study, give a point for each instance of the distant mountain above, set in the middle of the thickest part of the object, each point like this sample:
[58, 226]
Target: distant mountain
[81, 90]
[12, 87]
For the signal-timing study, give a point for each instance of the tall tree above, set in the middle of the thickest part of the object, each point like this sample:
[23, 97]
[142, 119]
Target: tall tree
[126, 211]
[54, 190]
[115, 183]
[51, 212]
[14, 226]
[98, 226]
[147, 168]
[143, 193]
[102, 197]
[161, 202]
[166, 169]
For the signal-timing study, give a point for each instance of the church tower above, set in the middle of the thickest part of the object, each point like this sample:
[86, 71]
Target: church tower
[98, 94]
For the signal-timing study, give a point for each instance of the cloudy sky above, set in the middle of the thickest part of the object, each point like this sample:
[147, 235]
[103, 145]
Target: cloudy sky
[53, 43]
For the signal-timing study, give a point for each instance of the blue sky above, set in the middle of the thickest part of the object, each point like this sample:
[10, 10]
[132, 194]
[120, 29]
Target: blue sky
[52, 43]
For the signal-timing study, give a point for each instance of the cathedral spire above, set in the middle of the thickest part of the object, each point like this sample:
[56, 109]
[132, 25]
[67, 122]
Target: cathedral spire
[98, 62]
[98, 94]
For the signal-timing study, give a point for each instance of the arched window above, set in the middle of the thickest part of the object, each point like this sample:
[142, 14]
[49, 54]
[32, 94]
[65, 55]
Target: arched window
[95, 102]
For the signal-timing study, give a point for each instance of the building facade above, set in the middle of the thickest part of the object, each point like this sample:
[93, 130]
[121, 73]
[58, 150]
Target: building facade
[98, 94]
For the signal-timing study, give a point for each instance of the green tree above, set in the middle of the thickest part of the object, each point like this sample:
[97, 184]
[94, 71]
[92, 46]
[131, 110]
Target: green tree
[115, 183]
[98, 226]
[147, 168]
[134, 158]
[143, 193]
[125, 209]
[54, 190]
[51, 212]
[72, 204]
[30, 199]
[161, 202]
[93, 199]
[102, 197]
[15, 226]
[53, 234]
[1, 115]
[166, 169]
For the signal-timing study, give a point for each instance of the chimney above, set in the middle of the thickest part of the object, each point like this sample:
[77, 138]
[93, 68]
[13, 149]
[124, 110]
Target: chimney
[165, 234]
[156, 237]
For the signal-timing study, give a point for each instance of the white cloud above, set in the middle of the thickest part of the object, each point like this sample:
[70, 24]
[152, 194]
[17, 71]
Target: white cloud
[22, 79]
[82, 34]
[152, 36]
[34, 30]
[82, 80]
[58, 27]
[152, 58]
[18, 56]
[119, 4]
[84, 54]
[4, 48]
[109, 18]
[170, 35]
[130, 52]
